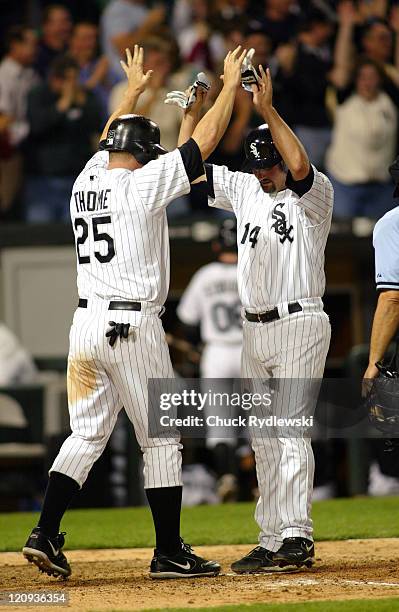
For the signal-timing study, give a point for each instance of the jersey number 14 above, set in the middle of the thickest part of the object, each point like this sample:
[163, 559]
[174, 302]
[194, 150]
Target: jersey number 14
[97, 236]
[251, 234]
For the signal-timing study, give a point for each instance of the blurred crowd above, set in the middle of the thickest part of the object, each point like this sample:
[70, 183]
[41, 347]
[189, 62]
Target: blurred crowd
[335, 69]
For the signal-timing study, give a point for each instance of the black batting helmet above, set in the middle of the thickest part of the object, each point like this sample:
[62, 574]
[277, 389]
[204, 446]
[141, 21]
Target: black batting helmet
[137, 135]
[228, 235]
[260, 150]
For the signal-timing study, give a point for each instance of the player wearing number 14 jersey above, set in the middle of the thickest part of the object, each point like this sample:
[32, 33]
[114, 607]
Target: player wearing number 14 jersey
[283, 207]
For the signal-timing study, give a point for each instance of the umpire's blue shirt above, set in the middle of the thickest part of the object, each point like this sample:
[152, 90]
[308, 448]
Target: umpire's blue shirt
[386, 246]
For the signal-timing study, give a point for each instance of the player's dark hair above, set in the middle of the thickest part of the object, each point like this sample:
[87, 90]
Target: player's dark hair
[61, 65]
[16, 34]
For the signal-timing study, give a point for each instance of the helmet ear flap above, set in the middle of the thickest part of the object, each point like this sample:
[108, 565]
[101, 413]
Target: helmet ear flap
[143, 154]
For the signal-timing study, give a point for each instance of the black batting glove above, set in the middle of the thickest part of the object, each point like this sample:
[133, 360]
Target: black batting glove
[120, 330]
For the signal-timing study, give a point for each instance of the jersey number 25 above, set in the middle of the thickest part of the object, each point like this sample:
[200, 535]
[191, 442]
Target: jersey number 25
[98, 237]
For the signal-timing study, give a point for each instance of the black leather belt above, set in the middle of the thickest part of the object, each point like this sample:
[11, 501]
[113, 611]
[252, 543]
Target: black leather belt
[114, 305]
[271, 315]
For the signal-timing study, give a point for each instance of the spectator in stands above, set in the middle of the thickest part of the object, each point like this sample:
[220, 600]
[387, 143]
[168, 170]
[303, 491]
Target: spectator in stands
[262, 44]
[232, 37]
[372, 9]
[199, 43]
[16, 365]
[56, 31]
[363, 145]
[16, 79]
[308, 73]
[63, 118]
[279, 20]
[160, 56]
[123, 24]
[377, 45]
[94, 69]
[230, 12]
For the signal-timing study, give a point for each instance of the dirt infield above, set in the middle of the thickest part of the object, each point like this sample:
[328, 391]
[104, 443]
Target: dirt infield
[118, 579]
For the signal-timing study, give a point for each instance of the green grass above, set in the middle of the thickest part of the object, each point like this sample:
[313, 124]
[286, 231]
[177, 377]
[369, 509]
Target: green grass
[336, 519]
[353, 605]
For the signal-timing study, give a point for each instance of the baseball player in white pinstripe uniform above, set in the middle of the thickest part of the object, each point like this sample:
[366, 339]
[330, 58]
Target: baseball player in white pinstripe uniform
[211, 301]
[118, 211]
[283, 209]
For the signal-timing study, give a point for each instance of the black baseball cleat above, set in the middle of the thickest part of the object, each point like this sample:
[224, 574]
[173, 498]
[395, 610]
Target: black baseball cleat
[46, 553]
[295, 552]
[185, 564]
[257, 560]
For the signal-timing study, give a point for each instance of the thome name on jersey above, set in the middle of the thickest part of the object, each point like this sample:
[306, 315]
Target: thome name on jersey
[281, 236]
[120, 225]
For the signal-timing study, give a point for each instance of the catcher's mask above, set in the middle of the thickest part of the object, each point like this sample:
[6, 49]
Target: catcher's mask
[136, 135]
[260, 151]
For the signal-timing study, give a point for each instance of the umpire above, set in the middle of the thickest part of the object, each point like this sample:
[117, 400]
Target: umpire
[384, 470]
[386, 246]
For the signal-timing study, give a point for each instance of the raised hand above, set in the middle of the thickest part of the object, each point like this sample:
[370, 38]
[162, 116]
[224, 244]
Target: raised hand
[263, 91]
[347, 13]
[232, 67]
[134, 69]
[193, 98]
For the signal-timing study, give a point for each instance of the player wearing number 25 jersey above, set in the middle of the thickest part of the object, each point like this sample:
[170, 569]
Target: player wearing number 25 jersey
[117, 342]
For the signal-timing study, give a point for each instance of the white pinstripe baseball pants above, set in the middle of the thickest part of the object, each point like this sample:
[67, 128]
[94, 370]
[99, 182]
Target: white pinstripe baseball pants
[294, 347]
[102, 379]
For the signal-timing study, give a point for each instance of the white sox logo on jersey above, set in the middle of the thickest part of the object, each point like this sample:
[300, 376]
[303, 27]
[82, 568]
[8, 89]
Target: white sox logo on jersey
[254, 150]
[280, 225]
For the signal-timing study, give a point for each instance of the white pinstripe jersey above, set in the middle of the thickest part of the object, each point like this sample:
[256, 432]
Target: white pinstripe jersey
[121, 231]
[211, 301]
[281, 237]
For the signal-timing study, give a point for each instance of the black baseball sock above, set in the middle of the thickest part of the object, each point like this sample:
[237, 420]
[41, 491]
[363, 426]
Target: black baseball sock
[59, 493]
[165, 504]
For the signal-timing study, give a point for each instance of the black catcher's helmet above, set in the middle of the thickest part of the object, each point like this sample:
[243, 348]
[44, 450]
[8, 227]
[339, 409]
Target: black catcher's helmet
[228, 235]
[137, 135]
[260, 150]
